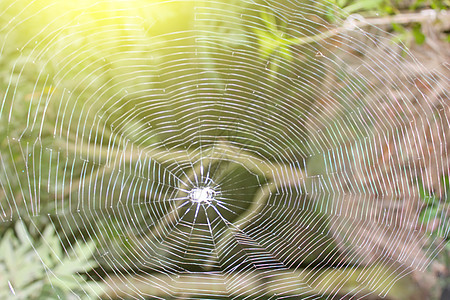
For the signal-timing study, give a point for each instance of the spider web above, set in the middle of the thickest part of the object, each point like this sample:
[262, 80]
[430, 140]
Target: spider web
[206, 159]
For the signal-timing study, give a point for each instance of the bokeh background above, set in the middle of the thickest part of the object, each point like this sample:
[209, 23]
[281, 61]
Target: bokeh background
[321, 126]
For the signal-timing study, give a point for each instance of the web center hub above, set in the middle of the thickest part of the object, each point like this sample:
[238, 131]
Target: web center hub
[203, 195]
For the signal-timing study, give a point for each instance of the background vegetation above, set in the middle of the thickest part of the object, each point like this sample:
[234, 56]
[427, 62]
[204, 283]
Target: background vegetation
[48, 250]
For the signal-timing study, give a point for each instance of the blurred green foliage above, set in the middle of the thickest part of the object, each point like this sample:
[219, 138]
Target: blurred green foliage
[434, 216]
[380, 8]
[39, 268]
[92, 49]
[435, 208]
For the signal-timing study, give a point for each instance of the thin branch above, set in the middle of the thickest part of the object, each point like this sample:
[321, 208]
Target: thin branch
[358, 21]
[280, 283]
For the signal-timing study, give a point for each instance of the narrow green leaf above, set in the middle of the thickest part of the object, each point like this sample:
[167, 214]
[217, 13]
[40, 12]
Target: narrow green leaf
[10, 256]
[269, 47]
[267, 44]
[341, 3]
[286, 53]
[419, 37]
[273, 69]
[330, 13]
[416, 4]
[50, 292]
[426, 196]
[389, 10]
[363, 5]
[22, 232]
[5, 243]
[398, 28]
[446, 183]
[269, 21]
[438, 4]
[428, 214]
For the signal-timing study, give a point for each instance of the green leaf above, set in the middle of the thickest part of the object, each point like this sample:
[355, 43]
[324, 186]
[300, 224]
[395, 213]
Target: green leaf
[430, 200]
[416, 4]
[9, 256]
[330, 14]
[267, 43]
[273, 69]
[398, 28]
[341, 3]
[363, 5]
[389, 10]
[22, 232]
[285, 52]
[270, 39]
[439, 4]
[423, 193]
[28, 291]
[52, 292]
[446, 184]
[428, 214]
[419, 37]
[5, 243]
[426, 196]
[270, 21]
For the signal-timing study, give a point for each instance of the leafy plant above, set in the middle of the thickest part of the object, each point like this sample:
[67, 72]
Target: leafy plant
[366, 7]
[275, 46]
[408, 34]
[434, 4]
[434, 206]
[362, 5]
[41, 269]
[271, 42]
